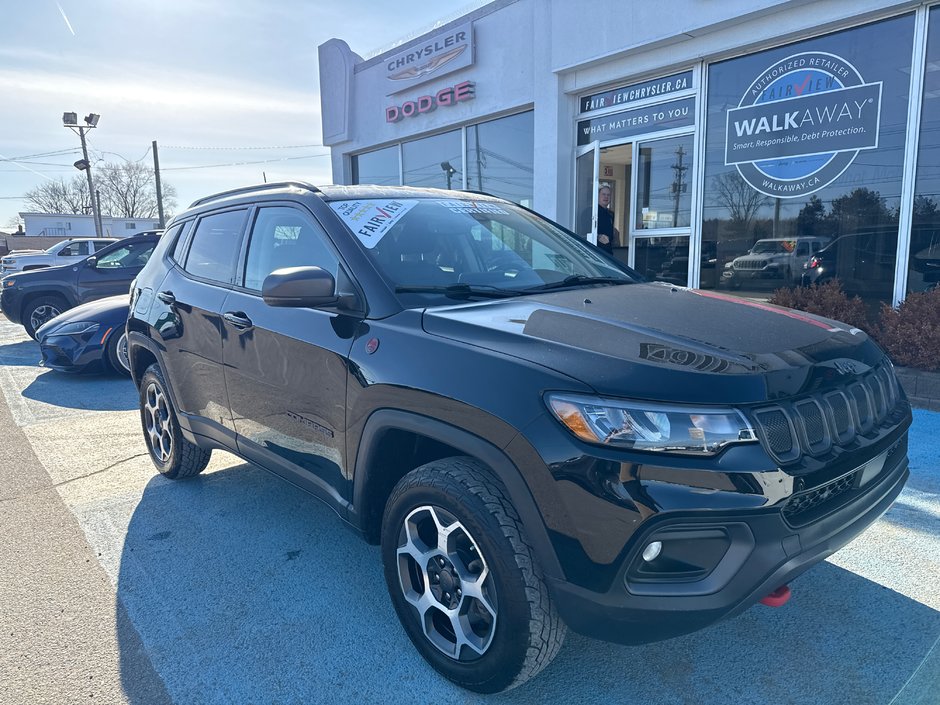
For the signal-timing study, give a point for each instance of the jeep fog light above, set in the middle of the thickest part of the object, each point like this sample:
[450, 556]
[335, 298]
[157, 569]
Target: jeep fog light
[651, 552]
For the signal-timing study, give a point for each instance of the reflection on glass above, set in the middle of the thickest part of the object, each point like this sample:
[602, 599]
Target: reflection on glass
[434, 162]
[584, 194]
[664, 199]
[378, 167]
[500, 157]
[923, 270]
[664, 259]
[847, 229]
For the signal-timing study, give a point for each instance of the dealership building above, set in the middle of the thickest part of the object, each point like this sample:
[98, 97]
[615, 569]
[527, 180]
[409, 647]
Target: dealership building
[746, 144]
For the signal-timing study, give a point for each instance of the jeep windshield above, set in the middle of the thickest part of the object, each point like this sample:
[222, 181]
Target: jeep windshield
[762, 247]
[465, 249]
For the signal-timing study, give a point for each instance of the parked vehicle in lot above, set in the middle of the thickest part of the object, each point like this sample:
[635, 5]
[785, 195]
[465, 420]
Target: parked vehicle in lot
[65, 252]
[779, 259]
[33, 298]
[862, 261]
[537, 438]
[88, 337]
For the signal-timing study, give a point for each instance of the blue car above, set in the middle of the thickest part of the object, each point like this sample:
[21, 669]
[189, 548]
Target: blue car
[87, 337]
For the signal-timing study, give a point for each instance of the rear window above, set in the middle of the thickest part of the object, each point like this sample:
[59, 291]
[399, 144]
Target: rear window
[213, 250]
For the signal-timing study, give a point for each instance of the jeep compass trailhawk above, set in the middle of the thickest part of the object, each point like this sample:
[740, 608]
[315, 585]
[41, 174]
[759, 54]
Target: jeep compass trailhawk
[538, 439]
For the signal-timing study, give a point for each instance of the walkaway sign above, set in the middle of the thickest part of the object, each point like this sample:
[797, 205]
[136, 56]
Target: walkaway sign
[801, 123]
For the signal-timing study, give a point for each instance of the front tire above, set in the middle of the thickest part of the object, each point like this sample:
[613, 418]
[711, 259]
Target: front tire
[40, 311]
[117, 353]
[174, 456]
[463, 579]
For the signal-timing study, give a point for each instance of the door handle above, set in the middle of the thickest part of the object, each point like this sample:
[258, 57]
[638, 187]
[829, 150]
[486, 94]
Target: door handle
[167, 297]
[237, 319]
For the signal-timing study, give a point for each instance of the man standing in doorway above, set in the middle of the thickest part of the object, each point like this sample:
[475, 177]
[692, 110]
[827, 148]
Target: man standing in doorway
[606, 232]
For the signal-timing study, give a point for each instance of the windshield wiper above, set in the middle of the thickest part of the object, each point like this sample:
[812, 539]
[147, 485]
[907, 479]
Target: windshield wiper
[577, 280]
[458, 291]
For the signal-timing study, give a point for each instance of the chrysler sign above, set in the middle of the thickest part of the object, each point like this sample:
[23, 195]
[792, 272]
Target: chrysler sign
[430, 59]
[801, 123]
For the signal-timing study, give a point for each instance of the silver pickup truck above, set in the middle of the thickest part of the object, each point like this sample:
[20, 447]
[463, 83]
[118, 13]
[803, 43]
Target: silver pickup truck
[65, 252]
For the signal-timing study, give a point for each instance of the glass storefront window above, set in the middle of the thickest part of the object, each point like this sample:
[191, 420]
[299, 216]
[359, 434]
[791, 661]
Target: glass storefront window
[663, 196]
[434, 162]
[500, 157]
[664, 259]
[378, 167]
[923, 270]
[805, 148]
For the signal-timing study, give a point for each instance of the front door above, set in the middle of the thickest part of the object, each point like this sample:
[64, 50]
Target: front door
[585, 191]
[286, 368]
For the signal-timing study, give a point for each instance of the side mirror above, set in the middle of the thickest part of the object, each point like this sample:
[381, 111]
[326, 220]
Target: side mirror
[91, 261]
[300, 287]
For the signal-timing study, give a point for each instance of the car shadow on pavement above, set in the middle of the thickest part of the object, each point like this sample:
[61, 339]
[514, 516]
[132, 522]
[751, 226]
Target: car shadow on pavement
[91, 392]
[24, 353]
[244, 589]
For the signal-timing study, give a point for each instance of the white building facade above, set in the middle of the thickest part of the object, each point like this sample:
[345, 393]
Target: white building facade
[71, 225]
[715, 124]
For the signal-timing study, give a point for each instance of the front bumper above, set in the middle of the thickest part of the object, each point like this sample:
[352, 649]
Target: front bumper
[764, 552]
[9, 304]
[67, 353]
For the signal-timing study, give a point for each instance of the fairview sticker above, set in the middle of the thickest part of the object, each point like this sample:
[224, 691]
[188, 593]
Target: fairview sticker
[371, 220]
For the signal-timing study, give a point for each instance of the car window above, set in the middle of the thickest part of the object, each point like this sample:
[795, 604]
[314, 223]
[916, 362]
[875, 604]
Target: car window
[98, 246]
[802, 249]
[213, 252]
[75, 249]
[133, 254]
[284, 237]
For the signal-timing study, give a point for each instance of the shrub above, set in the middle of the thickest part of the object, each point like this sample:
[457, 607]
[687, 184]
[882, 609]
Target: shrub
[911, 333]
[826, 300]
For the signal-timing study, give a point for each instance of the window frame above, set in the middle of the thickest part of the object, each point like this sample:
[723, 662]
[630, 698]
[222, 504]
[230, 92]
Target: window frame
[190, 237]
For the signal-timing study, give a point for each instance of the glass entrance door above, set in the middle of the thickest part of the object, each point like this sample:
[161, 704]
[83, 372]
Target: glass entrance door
[585, 191]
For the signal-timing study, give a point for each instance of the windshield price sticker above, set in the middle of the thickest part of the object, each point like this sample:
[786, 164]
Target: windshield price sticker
[370, 221]
[473, 207]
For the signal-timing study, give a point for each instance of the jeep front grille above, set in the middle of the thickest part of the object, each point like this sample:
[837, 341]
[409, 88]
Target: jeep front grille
[751, 264]
[796, 509]
[814, 423]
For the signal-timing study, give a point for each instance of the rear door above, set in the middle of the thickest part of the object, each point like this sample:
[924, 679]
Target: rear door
[286, 368]
[186, 316]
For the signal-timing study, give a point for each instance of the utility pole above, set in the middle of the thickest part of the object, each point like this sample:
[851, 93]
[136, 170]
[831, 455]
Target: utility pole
[70, 120]
[156, 173]
[98, 203]
[678, 185]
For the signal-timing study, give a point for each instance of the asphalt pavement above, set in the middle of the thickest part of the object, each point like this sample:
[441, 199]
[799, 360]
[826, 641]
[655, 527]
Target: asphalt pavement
[118, 586]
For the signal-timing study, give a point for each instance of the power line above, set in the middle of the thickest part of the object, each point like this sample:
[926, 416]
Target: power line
[235, 149]
[259, 161]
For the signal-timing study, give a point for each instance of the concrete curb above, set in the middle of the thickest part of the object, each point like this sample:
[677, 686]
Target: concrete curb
[922, 388]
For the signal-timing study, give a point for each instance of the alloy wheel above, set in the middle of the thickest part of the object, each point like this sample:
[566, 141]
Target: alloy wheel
[158, 423]
[42, 315]
[444, 576]
[122, 355]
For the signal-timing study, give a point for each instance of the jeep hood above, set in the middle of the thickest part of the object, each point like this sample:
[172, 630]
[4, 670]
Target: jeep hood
[660, 342]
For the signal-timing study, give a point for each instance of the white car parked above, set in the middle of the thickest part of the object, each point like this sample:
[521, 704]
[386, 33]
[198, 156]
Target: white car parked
[65, 252]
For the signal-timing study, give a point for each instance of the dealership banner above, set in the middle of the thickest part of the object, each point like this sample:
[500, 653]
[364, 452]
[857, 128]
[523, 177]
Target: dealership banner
[801, 123]
[634, 93]
[437, 56]
[639, 121]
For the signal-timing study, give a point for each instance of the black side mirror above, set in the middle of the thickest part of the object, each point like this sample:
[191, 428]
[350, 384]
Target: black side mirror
[301, 287]
[91, 261]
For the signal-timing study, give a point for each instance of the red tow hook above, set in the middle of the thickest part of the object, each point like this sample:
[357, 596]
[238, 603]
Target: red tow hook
[778, 598]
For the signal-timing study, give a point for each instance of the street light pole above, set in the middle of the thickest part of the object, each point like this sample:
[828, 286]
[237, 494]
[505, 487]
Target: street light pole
[70, 120]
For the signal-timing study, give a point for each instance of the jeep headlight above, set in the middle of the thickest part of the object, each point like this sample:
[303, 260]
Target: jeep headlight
[649, 426]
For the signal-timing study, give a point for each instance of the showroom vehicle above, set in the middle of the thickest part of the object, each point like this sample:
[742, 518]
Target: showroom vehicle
[538, 439]
[775, 259]
[65, 252]
[89, 337]
[33, 298]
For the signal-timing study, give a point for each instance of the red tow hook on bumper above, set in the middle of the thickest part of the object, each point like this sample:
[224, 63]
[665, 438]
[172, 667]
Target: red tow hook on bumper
[778, 598]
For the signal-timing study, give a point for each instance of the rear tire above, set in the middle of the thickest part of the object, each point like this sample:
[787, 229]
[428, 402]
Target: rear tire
[41, 310]
[463, 579]
[174, 456]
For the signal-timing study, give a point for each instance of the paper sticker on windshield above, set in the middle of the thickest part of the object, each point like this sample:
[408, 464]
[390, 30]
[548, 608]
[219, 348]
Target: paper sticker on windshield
[473, 207]
[371, 220]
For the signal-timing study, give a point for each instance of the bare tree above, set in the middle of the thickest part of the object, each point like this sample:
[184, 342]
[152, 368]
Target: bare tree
[60, 196]
[128, 190]
[741, 200]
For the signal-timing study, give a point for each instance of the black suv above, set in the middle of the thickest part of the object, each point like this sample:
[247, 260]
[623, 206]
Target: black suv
[35, 297]
[537, 438]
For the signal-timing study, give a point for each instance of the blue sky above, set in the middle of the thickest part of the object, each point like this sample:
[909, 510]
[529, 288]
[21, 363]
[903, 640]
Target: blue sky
[213, 74]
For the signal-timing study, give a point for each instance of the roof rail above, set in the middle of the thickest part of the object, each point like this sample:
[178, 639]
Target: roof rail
[257, 187]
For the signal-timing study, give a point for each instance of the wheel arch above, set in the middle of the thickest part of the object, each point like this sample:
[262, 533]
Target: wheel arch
[374, 477]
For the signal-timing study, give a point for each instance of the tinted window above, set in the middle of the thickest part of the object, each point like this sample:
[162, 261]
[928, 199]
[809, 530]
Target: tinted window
[133, 254]
[378, 167]
[75, 249]
[284, 237]
[825, 174]
[434, 161]
[500, 157]
[213, 252]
